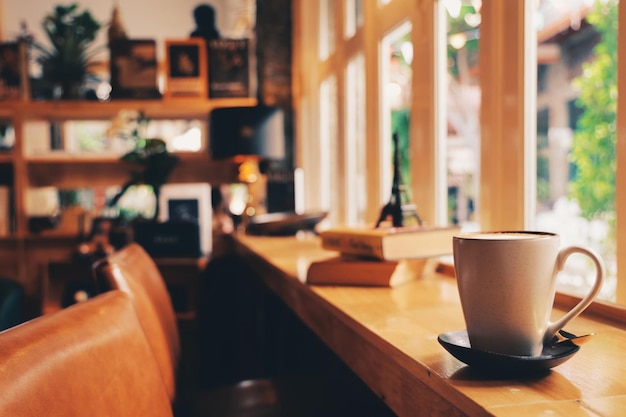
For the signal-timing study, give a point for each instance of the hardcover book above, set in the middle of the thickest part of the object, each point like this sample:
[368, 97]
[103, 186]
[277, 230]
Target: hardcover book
[346, 270]
[14, 82]
[391, 243]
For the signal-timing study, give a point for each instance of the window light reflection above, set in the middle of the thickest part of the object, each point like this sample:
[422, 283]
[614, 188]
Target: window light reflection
[190, 141]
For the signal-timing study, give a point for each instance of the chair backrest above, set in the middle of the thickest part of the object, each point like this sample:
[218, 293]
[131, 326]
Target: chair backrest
[90, 359]
[132, 270]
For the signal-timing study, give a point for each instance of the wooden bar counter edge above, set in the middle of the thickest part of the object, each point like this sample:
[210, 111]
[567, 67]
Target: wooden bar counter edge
[388, 337]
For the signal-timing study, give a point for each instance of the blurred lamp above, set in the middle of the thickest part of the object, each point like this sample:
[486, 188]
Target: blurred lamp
[249, 135]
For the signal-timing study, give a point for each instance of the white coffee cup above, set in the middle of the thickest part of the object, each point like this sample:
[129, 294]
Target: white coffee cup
[507, 283]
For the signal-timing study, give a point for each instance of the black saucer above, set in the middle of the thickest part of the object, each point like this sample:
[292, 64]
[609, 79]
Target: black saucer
[457, 343]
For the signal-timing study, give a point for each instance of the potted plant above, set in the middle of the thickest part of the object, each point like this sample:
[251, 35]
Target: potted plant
[64, 62]
[156, 163]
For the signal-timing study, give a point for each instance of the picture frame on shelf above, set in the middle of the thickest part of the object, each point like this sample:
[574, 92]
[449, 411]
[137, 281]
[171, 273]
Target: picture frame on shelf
[134, 69]
[231, 72]
[189, 203]
[14, 83]
[186, 68]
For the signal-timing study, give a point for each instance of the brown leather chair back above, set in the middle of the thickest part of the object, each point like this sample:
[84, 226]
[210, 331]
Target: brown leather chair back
[90, 359]
[132, 270]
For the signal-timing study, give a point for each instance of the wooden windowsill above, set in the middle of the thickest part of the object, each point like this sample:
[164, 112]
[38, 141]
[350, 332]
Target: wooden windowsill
[388, 337]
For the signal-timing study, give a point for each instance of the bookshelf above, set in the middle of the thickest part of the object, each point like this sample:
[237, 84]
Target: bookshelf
[23, 254]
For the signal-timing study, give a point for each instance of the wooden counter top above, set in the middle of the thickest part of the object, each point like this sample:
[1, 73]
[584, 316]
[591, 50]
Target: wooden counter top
[389, 338]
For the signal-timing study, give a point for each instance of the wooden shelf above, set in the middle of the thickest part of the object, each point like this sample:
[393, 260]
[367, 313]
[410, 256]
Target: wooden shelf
[60, 157]
[7, 107]
[51, 237]
[67, 171]
[85, 110]
[70, 158]
[25, 167]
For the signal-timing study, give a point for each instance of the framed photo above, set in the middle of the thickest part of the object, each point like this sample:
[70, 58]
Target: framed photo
[134, 69]
[191, 203]
[13, 71]
[231, 73]
[186, 68]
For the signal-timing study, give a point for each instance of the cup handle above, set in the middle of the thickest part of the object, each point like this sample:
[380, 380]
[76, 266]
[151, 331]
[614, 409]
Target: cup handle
[564, 253]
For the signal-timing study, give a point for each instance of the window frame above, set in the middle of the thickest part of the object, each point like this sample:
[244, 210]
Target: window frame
[508, 110]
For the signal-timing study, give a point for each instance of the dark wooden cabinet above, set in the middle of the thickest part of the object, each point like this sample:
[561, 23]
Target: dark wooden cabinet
[67, 282]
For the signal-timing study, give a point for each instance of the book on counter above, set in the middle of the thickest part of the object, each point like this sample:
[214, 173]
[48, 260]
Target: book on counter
[390, 243]
[348, 270]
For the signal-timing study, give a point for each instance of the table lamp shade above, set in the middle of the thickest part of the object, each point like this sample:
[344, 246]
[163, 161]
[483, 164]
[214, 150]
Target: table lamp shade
[247, 131]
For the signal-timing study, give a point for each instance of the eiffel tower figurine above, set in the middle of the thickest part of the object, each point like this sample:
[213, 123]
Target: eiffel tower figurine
[401, 214]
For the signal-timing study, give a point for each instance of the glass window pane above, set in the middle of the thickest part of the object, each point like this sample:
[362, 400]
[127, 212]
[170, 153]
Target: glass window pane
[397, 78]
[327, 29]
[328, 144]
[462, 112]
[354, 16]
[576, 110]
[355, 141]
